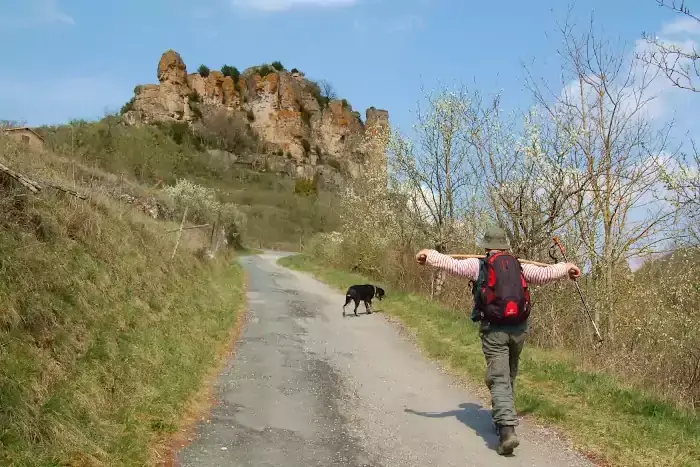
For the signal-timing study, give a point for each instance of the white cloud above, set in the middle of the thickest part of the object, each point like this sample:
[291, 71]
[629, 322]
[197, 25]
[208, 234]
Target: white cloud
[284, 5]
[33, 13]
[663, 101]
[681, 26]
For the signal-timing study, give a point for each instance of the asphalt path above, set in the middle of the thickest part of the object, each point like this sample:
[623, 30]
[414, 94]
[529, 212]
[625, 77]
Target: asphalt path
[307, 387]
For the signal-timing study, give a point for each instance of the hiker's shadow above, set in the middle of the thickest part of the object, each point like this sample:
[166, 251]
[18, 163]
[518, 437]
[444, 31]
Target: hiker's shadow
[472, 415]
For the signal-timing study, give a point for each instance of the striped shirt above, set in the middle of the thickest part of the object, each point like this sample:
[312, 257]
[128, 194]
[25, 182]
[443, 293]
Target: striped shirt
[469, 268]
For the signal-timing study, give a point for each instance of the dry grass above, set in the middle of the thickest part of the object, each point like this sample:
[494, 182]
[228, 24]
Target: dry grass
[103, 339]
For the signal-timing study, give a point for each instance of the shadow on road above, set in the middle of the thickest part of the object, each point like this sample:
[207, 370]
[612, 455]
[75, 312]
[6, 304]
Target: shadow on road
[350, 314]
[472, 415]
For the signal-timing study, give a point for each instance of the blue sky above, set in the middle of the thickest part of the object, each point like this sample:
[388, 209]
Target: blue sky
[67, 59]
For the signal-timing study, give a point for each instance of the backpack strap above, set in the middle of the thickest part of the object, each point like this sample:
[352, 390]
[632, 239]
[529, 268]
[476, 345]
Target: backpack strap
[476, 314]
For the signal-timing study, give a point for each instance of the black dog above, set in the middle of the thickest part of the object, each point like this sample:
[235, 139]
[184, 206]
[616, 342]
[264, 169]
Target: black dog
[363, 293]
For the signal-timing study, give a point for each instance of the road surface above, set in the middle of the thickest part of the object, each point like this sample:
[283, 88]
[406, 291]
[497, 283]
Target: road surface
[308, 387]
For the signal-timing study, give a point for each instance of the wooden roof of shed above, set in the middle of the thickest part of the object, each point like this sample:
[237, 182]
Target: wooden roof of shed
[23, 128]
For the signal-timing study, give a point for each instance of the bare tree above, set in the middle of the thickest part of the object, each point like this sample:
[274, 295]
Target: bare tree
[680, 64]
[603, 110]
[12, 124]
[327, 90]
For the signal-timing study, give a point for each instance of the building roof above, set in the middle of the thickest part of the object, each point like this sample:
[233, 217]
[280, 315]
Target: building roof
[23, 128]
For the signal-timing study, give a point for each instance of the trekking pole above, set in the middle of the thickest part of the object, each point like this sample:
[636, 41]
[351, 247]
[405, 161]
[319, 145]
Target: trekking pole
[585, 307]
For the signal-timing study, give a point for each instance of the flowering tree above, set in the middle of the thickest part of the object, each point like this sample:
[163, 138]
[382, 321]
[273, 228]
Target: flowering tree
[603, 111]
[525, 175]
[680, 63]
[204, 206]
[365, 218]
[434, 170]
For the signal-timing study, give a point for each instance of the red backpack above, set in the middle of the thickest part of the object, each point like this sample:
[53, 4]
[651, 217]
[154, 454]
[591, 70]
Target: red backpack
[501, 294]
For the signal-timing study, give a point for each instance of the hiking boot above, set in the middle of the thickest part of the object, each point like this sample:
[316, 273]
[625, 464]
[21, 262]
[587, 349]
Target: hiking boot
[509, 440]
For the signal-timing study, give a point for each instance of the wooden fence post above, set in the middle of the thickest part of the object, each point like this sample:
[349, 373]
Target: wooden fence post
[179, 234]
[212, 246]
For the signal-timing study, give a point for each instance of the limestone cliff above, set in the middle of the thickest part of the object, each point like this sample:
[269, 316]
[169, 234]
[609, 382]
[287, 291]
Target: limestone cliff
[284, 109]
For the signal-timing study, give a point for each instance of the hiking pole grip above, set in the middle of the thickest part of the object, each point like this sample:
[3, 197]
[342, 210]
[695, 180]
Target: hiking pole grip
[580, 293]
[561, 248]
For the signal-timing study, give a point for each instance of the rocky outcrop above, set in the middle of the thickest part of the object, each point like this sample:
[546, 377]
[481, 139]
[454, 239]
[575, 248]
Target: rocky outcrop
[285, 110]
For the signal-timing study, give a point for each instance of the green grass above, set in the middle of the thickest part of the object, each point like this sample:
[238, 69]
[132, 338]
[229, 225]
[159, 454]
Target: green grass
[603, 417]
[249, 251]
[104, 340]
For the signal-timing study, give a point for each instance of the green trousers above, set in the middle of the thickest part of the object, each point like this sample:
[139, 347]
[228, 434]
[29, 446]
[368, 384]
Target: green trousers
[502, 351]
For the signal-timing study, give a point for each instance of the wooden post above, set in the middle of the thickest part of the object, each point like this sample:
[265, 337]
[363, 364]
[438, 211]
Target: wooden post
[213, 247]
[179, 234]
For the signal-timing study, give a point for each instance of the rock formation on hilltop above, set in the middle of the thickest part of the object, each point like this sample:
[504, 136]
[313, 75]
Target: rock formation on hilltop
[284, 109]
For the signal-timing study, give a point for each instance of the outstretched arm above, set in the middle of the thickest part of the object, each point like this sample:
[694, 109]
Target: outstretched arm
[468, 268]
[539, 275]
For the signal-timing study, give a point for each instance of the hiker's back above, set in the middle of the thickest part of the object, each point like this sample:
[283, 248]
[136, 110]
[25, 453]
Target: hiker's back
[501, 293]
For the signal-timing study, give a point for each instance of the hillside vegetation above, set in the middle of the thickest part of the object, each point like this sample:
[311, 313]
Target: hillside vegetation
[105, 339]
[280, 212]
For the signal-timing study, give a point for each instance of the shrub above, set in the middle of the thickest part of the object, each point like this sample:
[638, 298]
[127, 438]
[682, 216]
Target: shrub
[294, 70]
[265, 70]
[203, 71]
[194, 98]
[306, 186]
[315, 90]
[228, 132]
[231, 71]
[180, 133]
[202, 203]
[128, 106]
[305, 144]
[277, 65]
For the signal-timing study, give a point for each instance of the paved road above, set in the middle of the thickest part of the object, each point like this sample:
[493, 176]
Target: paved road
[309, 388]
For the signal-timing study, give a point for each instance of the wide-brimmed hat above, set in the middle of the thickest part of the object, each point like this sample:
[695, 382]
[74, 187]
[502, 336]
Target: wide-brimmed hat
[495, 239]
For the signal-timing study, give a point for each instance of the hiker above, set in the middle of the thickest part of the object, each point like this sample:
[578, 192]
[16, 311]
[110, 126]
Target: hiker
[502, 305]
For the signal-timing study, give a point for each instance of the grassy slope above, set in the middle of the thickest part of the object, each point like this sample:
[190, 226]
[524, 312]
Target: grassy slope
[104, 341]
[602, 416]
[277, 217]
